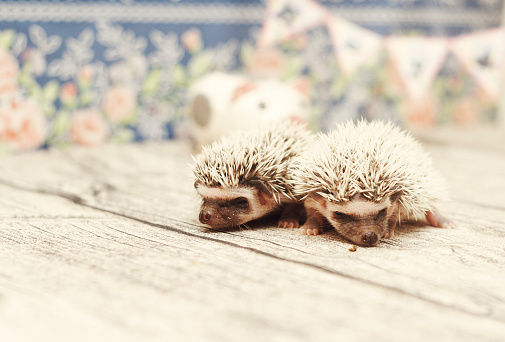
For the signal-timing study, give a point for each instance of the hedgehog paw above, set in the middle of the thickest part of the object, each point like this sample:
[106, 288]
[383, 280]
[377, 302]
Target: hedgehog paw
[389, 234]
[291, 215]
[288, 223]
[309, 230]
[448, 224]
[438, 220]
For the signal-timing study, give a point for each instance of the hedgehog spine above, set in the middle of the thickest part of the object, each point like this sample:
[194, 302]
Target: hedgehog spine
[253, 159]
[360, 177]
[375, 159]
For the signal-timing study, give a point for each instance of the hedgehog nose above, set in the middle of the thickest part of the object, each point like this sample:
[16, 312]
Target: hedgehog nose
[205, 216]
[369, 239]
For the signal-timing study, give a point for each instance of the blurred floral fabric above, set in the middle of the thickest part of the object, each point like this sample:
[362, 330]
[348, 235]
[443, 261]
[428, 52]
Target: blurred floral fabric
[96, 71]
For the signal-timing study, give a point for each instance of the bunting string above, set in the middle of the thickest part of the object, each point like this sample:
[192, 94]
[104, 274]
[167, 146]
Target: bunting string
[417, 59]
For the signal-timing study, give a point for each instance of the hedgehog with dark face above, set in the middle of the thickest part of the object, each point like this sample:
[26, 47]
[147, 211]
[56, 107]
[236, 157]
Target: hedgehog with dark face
[364, 179]
[244, 176]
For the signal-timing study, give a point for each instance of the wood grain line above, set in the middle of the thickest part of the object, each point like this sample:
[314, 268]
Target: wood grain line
[82, 202]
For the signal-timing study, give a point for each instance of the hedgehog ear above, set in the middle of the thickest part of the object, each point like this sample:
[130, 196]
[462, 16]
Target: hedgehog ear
[263, 192]
[318, 198]
[197, 184]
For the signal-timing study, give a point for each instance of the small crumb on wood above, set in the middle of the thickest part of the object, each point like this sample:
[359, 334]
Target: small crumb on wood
[353, 248]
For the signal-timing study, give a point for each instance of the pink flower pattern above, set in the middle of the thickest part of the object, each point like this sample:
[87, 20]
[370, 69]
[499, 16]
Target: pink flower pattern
[119, 103]
[101, 83]
[22, 125]
[9, 71]
[88, 128]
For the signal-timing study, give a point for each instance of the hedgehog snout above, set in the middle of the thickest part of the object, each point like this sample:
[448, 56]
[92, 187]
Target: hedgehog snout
[369, 238]
[205, 216]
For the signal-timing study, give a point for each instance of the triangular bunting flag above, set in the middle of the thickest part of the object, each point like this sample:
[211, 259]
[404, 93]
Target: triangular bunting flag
[286, 18]
[417, 60]
[353, 44]
[483, 56]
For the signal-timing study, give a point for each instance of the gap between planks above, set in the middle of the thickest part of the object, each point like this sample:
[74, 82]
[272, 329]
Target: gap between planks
[82, 202]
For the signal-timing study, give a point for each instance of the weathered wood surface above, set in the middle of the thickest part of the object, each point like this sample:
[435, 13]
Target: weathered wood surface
[104, 245]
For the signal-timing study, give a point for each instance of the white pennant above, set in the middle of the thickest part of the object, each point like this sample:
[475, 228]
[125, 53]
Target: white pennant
[483, 56]
[353, 44]
[417, 60]
[286, 18]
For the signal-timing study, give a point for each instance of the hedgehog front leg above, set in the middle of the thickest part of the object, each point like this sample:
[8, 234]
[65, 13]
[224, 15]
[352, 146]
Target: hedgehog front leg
[392, 223]
[314, 223]
[291, 216]
[393, 213]
[436, 219]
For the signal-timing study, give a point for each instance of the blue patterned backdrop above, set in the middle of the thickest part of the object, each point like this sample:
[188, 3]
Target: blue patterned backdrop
[87, 72]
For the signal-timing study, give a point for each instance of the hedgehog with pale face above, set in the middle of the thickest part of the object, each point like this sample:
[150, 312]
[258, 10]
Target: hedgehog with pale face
[366, 178]
[244, 176]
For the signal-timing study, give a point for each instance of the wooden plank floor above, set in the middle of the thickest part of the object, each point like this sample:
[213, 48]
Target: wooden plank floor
[105, 245]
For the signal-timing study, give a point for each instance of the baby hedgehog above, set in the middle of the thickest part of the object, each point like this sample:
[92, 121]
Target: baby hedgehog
[365, 178]
[244, 176]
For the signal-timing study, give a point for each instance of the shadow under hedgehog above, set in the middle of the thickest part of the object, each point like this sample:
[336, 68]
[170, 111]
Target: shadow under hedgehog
[364, 179]
[244, 176]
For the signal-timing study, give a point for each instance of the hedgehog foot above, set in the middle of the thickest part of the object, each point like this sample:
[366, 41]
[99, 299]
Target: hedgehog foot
[436, 219]
[310, 230]
[291, 216]
[288, 223]
[389, 234]
[392, 223]
[313, 225]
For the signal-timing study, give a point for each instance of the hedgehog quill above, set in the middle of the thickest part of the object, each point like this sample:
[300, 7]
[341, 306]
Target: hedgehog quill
[244, 176]
[365, 179]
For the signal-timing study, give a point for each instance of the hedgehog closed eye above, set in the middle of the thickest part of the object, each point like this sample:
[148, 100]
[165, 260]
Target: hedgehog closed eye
[242, 202]
[374, 170]
[243, 176]
[340, 215]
